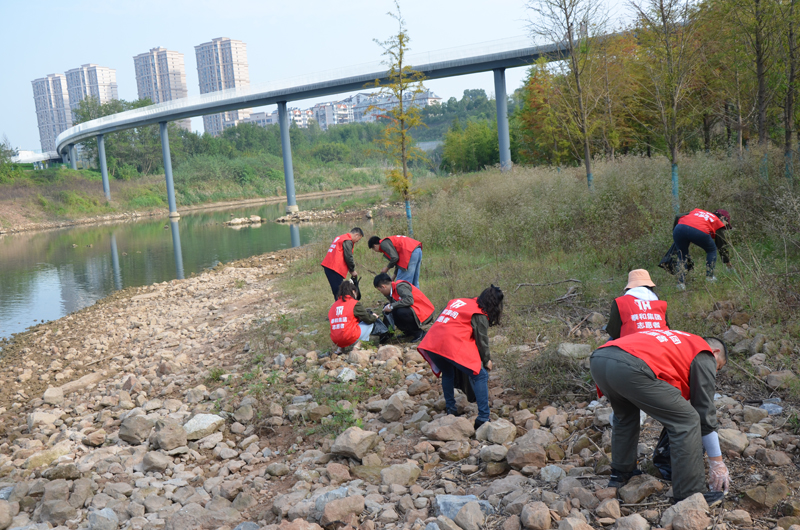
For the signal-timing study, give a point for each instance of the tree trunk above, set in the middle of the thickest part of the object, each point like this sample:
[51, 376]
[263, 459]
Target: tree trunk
[761, 75]
[584, 126]
[790, 96]
[707, 132]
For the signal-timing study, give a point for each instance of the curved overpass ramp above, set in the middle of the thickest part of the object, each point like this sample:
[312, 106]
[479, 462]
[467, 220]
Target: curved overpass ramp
[495, 56]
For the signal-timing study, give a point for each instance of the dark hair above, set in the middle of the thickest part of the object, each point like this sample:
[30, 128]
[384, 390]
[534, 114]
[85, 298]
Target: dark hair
[381, 279]
[374, 240]
[356, 230]
[491, 302]
[716, 343]
[347, 288]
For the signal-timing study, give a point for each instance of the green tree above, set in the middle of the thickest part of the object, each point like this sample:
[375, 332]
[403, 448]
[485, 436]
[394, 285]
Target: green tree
[471, 147]
[8, 170]
[403, 86]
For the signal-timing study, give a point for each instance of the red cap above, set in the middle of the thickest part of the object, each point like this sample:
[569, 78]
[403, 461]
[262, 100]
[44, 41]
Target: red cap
[723, 214]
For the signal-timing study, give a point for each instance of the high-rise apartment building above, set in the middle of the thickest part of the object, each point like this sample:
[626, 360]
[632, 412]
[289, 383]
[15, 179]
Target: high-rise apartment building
[52, 108]
[221, 65]
[91, 80]
[161, 76]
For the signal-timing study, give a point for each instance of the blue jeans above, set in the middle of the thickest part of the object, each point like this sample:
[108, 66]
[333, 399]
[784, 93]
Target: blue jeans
[411, 274]
[334, 279]
[683, 235]
[480, 384]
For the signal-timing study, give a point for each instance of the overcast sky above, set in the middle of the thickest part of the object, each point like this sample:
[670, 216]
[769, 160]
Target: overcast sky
[284, 39]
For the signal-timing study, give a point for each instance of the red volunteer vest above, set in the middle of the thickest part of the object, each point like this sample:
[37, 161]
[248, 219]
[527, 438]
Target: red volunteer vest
[452, 337]
[344, 325]
[668, 353]
[702, 220]
[422, 307]
[641, 315]
[334, 259]
[404, 246]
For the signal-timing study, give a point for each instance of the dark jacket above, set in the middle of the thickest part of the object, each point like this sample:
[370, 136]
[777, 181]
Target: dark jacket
[347, 250]
[361, 313]
[388, 248]
[406, 300]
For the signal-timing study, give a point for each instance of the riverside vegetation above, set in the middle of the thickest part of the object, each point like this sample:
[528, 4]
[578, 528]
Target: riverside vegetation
[208, 402]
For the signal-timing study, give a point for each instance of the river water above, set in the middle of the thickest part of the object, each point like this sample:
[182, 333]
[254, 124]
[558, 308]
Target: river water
[46, 275]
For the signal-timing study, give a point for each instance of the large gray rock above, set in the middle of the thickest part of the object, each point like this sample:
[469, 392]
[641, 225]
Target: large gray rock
[535, 516]
[202, 425]
[639, 488]
[155, 461]
[526, 453]
[57, 512]
[695, 503]
[633, 522]
[780, 379]
[500, 431]
[195, 517]
[393, 409]
[732, 440]
[493, 453]
[754, 414]
[340, 509]
[538, 436]
[449, 428]
[5, 514]
[400, 474]
[506, 485]
[449, 505]
[135, 429]
[105, 519]
[470, 516]
[54, 396]
[354, 442]
[552, 474]
[169, 435]
[63, 471]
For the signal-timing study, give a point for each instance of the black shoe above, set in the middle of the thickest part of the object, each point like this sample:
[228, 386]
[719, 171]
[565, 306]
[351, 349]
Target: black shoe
[452, 413]
[384, 338]
[620, 478]
[713, 498]
[478, 423]
[418, 337]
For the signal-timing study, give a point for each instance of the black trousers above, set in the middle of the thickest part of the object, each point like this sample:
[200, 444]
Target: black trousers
[335, 279]
[405, 320]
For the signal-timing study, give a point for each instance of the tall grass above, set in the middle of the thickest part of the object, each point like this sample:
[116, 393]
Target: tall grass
[541, 225]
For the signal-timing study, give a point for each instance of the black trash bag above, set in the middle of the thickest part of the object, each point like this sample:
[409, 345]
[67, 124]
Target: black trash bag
[670, 261]
[463, 383]
[661, 456]
[379, 328]
[356, 281]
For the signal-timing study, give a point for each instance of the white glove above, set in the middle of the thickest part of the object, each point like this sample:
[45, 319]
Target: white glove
[718, 477]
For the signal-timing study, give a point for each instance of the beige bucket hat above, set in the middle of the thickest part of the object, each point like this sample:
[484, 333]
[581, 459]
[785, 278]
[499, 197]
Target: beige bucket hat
[639, 278]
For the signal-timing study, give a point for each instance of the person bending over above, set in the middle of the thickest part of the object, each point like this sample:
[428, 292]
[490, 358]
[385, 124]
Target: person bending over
[408, 308]
[339, 259]
[350, 321]
[707, 231]
[639, 309]
[459, 340]
[670, 375]
[402, 252]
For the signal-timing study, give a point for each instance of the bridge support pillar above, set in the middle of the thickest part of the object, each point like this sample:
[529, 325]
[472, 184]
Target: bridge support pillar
[115, 263]
[176, 248]
[502, 118]
[173, 209]
[101, 154]
[73, 161]
[286, 148]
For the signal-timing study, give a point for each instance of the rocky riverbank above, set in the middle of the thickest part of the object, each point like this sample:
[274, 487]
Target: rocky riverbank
[208, 403]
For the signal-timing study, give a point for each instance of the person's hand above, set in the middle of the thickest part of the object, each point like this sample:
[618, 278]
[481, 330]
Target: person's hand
[385, 270]
[488, 366]
[354, 274]
[718, 477]
[387, 308]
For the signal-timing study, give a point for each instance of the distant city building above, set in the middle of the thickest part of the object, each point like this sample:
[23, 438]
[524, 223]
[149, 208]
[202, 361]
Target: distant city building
[262, 119]
[161, 76]
[333, 113]
[362, 102]
[53, 114]
[91, 80]
[222, 65]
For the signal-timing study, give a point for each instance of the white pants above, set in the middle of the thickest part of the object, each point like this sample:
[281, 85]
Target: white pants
[366, 331]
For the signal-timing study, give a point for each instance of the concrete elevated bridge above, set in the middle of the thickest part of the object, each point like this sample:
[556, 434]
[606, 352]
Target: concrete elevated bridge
[495, 56]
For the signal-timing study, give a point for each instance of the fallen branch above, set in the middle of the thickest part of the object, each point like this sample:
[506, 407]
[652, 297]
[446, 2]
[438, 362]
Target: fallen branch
[737, 365]
[545, 284]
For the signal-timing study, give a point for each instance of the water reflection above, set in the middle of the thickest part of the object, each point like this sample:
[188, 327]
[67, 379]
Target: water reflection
[176, 248]
[46, 275]
[115, 263]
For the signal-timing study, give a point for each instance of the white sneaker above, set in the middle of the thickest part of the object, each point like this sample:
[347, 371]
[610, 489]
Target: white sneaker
[681, 286]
